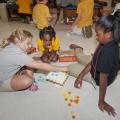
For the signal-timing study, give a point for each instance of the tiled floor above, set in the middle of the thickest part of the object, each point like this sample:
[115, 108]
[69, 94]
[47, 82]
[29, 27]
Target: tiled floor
[48, 102]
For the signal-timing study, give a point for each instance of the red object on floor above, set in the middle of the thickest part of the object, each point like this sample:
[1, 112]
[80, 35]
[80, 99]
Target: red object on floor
[67, 59]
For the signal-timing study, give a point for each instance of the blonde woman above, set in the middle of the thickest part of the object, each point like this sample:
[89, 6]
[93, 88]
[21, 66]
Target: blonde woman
[16, 66]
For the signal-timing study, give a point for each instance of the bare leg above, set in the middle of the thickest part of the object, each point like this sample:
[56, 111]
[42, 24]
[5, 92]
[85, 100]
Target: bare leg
[75, 69]
[81, 57]
[22, 81]
[74, 46]
[72, 51]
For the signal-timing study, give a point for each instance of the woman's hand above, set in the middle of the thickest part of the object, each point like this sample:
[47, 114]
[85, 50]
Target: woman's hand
[103, 106]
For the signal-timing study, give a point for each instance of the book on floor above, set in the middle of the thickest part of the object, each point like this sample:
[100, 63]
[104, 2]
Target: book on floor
[57, 77]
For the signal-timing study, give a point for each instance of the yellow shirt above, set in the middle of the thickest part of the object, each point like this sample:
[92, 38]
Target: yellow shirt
[24, 6]
[53, 47]
[40, 15]
[85, 9]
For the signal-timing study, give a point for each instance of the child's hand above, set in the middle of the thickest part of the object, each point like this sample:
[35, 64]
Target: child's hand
[31, 50]
[53, 56]
[103, 106]
[45, 58]
[78, 82]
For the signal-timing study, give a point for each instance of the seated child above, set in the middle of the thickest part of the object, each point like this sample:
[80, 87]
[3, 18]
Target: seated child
[48, 44]
[16, 66]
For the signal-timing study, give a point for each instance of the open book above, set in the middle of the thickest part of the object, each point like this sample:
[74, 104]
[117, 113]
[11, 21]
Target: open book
[57, 77]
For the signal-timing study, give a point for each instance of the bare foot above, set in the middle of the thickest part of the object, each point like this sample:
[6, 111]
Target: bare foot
[73, 46]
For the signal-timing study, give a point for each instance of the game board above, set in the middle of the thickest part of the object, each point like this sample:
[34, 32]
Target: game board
[57, 77]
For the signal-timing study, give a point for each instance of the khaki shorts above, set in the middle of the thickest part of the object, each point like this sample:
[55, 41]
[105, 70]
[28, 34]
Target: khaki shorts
[5, 86]
[75, 69]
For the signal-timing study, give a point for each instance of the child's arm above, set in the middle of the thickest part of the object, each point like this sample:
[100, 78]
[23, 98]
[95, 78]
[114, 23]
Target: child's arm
[102, 91]
[78, 82]
[46, 67]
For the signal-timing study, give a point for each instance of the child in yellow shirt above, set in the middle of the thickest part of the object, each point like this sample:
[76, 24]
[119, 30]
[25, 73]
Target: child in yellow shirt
[48, 44]
[83, 22]
[24, 10]
[41, 15]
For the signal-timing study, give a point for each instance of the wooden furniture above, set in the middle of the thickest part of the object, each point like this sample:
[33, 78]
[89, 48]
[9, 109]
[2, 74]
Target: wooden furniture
[12, 11]
[69, 15]
[98, 7]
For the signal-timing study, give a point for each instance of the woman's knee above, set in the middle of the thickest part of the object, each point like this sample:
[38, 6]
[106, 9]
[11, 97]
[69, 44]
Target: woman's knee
[21, 82]
[27, 82]
[29, 72]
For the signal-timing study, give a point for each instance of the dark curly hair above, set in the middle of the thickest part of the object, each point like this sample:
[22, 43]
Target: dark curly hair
[49, 31]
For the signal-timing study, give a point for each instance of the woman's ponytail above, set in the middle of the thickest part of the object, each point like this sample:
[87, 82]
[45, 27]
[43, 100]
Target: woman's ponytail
[116, 26]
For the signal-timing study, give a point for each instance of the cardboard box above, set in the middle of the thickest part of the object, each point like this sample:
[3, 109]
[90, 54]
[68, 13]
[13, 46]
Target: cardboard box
[67, 59]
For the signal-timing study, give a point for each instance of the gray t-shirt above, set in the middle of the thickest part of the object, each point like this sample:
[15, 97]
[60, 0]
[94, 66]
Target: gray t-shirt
[12, 58]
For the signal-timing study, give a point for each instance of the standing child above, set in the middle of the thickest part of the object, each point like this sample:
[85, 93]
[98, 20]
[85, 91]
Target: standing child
[16, 67]
[84, 20]
[48, 44]
[41, 15]
[24, 10]
[105, 62]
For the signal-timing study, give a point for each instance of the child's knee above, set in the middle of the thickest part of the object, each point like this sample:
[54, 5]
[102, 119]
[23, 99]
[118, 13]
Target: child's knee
[27, 82]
